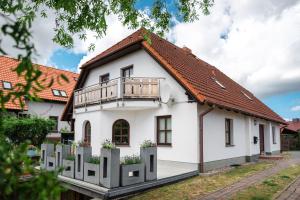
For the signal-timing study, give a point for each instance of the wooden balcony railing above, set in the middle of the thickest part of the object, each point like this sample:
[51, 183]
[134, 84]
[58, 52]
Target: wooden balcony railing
[120, 88]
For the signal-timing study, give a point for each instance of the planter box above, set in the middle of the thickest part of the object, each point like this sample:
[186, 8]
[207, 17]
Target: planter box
[132, 174]
[92, 173]
[50, 163]
[46, 150]
[61, 152]
[68, 166]
[149, 158]
[110, 168]
[81, 156]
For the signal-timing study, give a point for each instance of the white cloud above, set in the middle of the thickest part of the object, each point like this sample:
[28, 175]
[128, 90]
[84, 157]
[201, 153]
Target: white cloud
[262, 45]
[42, 33]
[295, 108]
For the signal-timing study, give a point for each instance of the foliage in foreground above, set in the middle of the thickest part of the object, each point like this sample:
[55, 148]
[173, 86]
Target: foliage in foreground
[18, 130]
[73, 20]
[15, 164]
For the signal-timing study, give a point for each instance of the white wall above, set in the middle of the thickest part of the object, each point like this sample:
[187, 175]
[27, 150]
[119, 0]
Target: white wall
[142, 122]
[47, 109]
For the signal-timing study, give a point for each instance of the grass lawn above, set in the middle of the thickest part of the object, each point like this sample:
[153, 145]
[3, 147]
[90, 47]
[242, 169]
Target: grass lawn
[202, 185]
[270, 187]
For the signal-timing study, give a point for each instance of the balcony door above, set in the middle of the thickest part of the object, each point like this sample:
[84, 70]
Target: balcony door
[126, 74]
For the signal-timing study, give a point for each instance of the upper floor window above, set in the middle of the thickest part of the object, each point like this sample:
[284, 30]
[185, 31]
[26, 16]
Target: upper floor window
[218, 82]
[7, 85]
[274, 134]
[127, 72]
[104, 78]
[228, 132]
[246, 95]
[164, 130]
[87, 133]
[120, 132]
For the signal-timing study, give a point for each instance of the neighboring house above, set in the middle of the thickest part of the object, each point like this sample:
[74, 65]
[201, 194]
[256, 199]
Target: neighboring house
[53, 99]
[290, 137]
[138, 90]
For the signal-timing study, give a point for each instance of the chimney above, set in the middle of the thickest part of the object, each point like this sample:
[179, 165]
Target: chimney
[186, 49]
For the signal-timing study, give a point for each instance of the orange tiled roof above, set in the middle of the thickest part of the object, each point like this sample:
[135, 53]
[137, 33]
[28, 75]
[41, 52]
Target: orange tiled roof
[293, 125]
[6, 74]
[197, 76]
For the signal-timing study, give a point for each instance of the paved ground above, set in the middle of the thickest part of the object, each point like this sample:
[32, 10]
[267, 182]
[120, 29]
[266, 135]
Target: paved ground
[292, 192]
[227, 192]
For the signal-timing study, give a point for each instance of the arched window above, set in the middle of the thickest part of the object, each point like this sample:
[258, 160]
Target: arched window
[120, 132]
[87, 133]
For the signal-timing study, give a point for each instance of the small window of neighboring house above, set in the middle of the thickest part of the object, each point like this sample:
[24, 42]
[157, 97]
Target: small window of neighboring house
[164, 130]
[7, 85]
[274, 134]
[55, 119]
[63, 93]
[228, 132]
[56, 92]
[23, 115]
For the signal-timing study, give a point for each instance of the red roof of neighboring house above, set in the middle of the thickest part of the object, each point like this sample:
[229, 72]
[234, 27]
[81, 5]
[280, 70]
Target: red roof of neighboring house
[6, 74]
[194, 74]
[293, 125]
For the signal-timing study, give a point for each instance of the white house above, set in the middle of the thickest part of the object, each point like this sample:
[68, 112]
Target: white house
[138, 90]
[53, 99]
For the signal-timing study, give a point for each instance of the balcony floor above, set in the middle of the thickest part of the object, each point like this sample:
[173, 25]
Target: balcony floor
[167, 171]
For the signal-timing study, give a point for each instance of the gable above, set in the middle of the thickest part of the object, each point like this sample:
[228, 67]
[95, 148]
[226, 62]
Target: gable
[195, 75]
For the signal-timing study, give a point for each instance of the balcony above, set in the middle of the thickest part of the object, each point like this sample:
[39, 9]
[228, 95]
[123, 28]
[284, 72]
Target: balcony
[119, 89]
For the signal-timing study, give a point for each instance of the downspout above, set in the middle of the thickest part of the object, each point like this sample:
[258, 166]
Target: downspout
[201, 143]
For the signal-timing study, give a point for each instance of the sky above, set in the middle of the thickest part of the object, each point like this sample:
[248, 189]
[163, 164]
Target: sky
[254, 42]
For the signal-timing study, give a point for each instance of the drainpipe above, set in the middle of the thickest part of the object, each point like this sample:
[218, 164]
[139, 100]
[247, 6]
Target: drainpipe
[201, 143]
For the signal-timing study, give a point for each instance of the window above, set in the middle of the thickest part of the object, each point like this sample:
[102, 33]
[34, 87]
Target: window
[63, 93]
[59, 93]
[87, 133]
[55, 119]
[164, 130]
[104, 78]
[56, 92]
[218, 82]
[127, 72]
[273, 134]
[120, 134]
[228, 132]
[246, 95]
[7, 85]
[75, 78]
[23, 115]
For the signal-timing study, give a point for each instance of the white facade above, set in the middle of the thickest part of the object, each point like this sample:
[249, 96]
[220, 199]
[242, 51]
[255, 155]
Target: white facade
[46, 110]
[141, 116]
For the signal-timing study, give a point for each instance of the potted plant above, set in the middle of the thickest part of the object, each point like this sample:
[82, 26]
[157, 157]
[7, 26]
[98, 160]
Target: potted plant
[47, 149]
[148, 153]
[132, 170]
[68, 164]
[92, 170]
[82, 154]
[51, 162]
[61, 152]
[109, 165]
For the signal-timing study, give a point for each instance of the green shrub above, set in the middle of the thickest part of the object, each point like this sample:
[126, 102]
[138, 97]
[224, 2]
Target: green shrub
[19, 130]
[94, 160]
[148, 143]
[130, 160]
[70, 157]
[107, 144]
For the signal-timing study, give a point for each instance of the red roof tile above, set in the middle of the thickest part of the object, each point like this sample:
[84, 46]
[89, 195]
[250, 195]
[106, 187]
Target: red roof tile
[293, 126]
[197, 76]
[6, 74]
